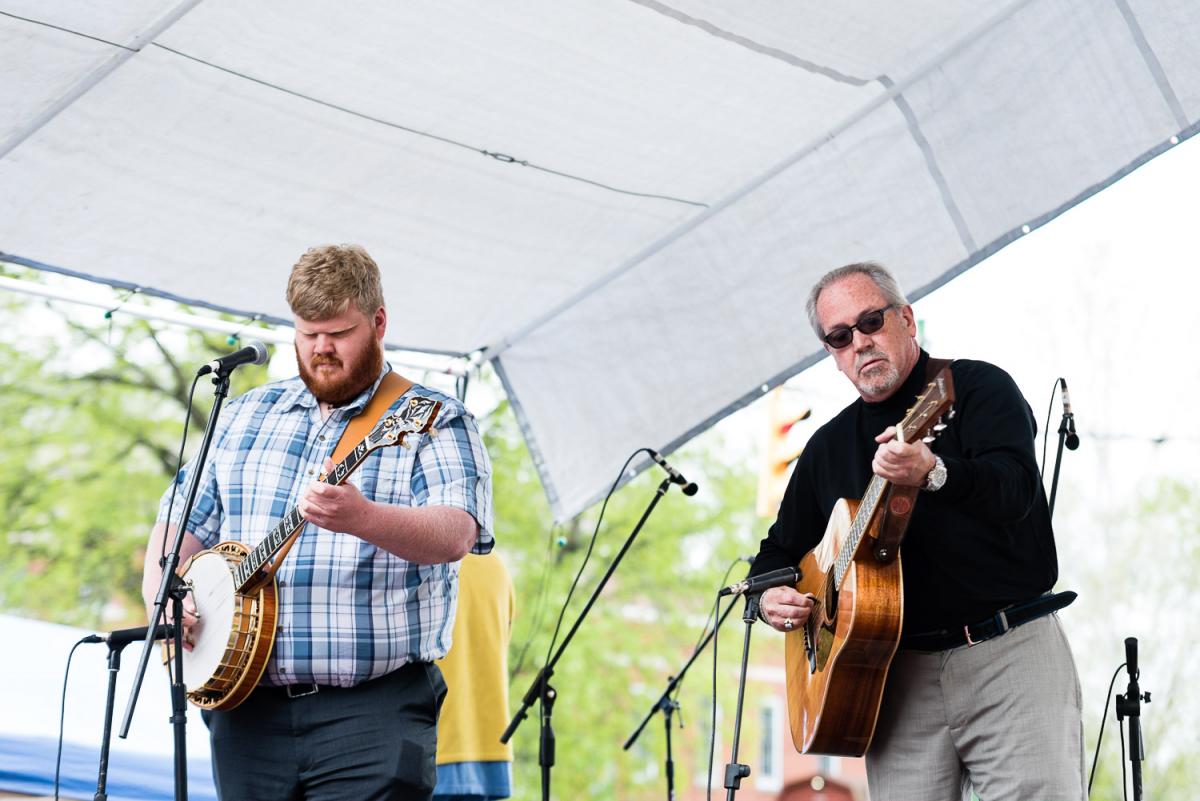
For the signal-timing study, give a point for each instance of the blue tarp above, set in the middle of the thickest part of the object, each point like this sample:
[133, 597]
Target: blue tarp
[27, 766]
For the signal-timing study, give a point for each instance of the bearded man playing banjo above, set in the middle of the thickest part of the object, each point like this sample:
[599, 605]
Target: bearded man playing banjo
[348, 700]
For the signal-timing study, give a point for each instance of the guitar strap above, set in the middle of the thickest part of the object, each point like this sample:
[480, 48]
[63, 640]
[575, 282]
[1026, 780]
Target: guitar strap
[898, 508]
[388, 392]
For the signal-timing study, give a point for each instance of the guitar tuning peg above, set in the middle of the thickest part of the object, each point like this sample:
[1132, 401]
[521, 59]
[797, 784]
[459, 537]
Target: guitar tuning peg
[928, 439]
[939, 427]
[405, 444]
[950, 414]
[433, 432]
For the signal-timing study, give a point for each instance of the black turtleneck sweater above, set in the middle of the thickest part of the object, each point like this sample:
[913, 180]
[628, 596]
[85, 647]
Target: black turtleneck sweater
[981, 542]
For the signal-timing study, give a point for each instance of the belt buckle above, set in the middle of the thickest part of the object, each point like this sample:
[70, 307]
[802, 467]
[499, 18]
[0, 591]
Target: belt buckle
[999, 620]
[301, 690]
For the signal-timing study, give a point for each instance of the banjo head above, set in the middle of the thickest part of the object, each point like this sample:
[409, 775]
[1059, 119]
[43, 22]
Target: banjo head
[211, 581]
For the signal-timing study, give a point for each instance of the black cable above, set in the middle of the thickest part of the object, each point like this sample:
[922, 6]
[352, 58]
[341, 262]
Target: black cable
[1124, 790]
[68, 30]
[162, 553]
[1104, 719]
[592, 544]
[712, 728]
[695, 649]
[501, 157]
[1046, 429]
[62, 715]
[724, 582]
[187, 420]
[540, 604]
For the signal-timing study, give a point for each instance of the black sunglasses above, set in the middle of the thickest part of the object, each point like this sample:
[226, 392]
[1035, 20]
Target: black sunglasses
[868, 324]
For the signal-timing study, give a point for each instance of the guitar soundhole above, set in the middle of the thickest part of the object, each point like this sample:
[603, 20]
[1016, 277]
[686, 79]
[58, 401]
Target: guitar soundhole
[819, 629]
[829, 603]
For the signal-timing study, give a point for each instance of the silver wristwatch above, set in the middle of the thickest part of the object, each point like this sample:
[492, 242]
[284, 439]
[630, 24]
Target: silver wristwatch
[937, 476]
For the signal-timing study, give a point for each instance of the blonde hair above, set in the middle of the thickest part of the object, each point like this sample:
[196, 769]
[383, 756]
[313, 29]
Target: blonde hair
[328, 277]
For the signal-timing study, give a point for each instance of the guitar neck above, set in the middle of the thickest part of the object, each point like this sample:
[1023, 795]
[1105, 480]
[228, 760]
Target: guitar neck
[293, 521]
[862, 520]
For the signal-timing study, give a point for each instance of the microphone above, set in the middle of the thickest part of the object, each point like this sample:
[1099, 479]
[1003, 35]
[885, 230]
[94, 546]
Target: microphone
[254, 353]
[1131, 657]
[689, 487]
[776, 578]
[122, 637]
[1069, 418]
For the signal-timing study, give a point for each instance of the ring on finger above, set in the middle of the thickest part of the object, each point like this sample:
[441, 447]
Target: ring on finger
[787, 623]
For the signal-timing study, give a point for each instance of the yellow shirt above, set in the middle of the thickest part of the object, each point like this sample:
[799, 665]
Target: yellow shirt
[475, 712]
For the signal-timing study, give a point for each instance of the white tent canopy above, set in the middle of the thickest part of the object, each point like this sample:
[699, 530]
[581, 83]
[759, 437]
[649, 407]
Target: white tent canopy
[621, 204]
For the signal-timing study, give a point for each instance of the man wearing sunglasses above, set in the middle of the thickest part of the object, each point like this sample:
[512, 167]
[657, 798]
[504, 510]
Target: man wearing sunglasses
[983, 692]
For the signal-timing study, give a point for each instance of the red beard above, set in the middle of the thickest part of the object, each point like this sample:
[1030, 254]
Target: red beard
[335, 391]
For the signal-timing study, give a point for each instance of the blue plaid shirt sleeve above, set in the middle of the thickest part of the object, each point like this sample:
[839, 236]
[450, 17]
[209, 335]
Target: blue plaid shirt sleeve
[452, 469]
[207, 514]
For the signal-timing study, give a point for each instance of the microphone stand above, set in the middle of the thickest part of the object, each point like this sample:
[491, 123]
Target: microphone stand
[114, 666]
[734, 771]
[540, 689]
[173, 587]
[669, 707]
[1065, 428]
[1129, 706]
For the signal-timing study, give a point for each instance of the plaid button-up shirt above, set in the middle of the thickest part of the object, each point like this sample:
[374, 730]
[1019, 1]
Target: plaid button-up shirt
[348, 610]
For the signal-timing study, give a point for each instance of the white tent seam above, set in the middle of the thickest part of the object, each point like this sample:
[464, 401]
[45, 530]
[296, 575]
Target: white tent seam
[503, 158]
[1153, 64]
[750, 44]
[935, 171]
[500, 346]
[93, 78]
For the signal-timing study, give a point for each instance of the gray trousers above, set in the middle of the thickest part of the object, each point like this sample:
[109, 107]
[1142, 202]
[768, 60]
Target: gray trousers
[373, 742]
[1002, 718]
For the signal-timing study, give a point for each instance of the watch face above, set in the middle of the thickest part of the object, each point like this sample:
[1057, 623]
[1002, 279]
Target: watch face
[937, 476]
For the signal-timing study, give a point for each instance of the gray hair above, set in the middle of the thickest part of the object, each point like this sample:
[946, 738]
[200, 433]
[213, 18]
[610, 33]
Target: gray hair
[873, 270]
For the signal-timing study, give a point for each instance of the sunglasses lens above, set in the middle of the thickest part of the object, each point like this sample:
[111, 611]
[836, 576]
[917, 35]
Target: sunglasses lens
[868, 324]
[839, 337]
[871, 323]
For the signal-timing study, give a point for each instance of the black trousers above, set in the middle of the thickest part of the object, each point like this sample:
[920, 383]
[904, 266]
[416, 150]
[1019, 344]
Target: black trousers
[375, 741]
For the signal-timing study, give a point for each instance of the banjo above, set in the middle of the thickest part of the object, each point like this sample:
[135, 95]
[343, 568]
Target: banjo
[234, 588]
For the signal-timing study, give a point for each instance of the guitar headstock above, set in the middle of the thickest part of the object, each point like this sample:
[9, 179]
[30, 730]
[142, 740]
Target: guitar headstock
[924, 420]
[414, 417]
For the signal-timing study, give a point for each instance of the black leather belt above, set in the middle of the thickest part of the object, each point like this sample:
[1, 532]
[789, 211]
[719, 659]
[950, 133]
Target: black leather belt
[293, 691]
[1007, 618]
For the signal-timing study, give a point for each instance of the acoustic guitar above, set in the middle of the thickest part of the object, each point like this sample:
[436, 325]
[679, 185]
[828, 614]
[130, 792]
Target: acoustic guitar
[234, 587]
[837, 662]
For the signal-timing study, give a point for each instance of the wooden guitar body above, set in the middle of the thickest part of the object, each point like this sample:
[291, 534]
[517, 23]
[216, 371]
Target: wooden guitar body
[235, 630]
[837, 663]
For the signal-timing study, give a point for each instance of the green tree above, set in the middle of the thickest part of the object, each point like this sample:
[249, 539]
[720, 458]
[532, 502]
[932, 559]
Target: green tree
[91, 412]
[643, 627]
[1158, 541]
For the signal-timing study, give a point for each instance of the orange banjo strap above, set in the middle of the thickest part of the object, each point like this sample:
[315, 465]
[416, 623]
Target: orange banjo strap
[388, 392]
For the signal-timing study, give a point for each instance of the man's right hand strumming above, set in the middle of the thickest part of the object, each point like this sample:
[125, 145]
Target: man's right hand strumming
[785, 609]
